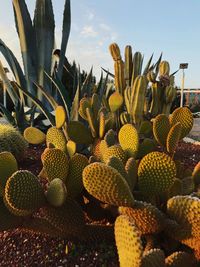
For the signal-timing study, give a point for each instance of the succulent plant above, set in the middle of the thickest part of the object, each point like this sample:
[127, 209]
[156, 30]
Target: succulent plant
[12, 141]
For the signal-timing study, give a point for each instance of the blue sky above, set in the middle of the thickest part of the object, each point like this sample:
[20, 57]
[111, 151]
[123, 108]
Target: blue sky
[171, 27]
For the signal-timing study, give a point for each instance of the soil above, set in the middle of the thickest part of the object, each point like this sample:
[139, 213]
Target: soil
[21, 249]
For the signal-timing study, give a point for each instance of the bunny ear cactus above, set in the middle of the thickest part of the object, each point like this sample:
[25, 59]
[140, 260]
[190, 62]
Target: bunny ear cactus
[23, 193]
[8, 165]
[129, 140]
[34, 136]
[74, 182]
[57, 138]
[156, 173]
[131, 168]
[56, 192]
[107, 185]
[185, 117]
[161, 128]
[180, 258]
[79, 133]
[115, 101]
[116, 151]
[60, 116]
[173, 137]
[196, 174]
[128, 242]
[153, 258]
[55, 164]
[147, 218]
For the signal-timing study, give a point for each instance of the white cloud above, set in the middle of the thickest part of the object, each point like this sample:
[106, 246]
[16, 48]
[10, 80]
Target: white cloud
[88, 31]
[104, 27]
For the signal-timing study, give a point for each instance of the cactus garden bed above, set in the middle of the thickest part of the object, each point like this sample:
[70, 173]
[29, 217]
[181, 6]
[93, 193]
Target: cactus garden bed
[20, 248]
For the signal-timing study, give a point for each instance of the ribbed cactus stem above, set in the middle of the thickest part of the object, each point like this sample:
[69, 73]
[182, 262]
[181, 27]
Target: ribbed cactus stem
[119, 76]
[137, 66]
[128, 64]
[138, 99]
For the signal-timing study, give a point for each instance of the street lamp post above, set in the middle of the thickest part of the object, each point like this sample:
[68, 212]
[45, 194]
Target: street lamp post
[182, 66]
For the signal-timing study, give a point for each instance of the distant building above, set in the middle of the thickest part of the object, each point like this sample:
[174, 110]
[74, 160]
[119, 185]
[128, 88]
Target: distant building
[192, 96]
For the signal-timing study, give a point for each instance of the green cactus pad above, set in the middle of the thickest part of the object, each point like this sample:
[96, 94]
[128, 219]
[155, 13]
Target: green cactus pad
[146, 128]
[131, 168]
[115, 101]
[56, 192]
[147, 146]
[106, 184]
[173, 137]
[161, 128]
[12, 141]
[156, 173]
[8, 165]
[60, 115]
[74, 181]
[153, 258]
[128, 242]
[110, 137]
[55, 163]
[68, 219]
[79, 133]
[57, 138]
[114, 151]
[118, 165]
[185, 117]
[7, 219]
[129, 140]
[180, 259]
[85, 103]
[23, 193]
[148, 218]
[34, 136]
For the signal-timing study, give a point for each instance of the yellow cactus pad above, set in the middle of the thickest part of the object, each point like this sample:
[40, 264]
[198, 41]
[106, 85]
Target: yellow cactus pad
[57, 138]
[153, 258]
[128, 242]
[60, 115]
[106, 184]
[71, 148]
[115, 151]
[129, 140]
[34, 136]
[161, 128]
[115, 101]
[173, 137]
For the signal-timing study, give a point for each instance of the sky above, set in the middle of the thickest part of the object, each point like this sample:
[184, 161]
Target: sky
[149, 26]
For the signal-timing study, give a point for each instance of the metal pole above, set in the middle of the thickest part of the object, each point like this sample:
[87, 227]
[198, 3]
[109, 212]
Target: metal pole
[182, 88]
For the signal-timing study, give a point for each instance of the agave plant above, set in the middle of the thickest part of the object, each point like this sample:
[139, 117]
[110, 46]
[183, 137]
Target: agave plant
[37, 39]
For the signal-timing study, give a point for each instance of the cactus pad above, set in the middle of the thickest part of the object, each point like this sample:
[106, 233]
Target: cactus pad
[147, 218]
[55, 163]
[79, 133]
[23, 193]
[34, 136]
[60, 115]
[128, 242]
[114, 151]
[74, 181]
[180, 259]
[56, 137]
[115, 101]
[156, 173]
[8, 165]
[161, 128]
[56, 192]
[129, 140]
[153, 258]
[185, 117]
[106, 184]
[173, 137]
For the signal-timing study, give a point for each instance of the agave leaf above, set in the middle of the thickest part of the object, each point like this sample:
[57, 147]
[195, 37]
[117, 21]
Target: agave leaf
[104, 87]
[8, 86]
[112, 75]
[100, 83]
[65, 35]
[75, 105]
[7, 114]
[86, 87]
[14, 65]
[44, 26]
[157, 65]
[174, 73]
[62, 91]
[146, 69]
[39, 104]
[27, 41]
[49, 97]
